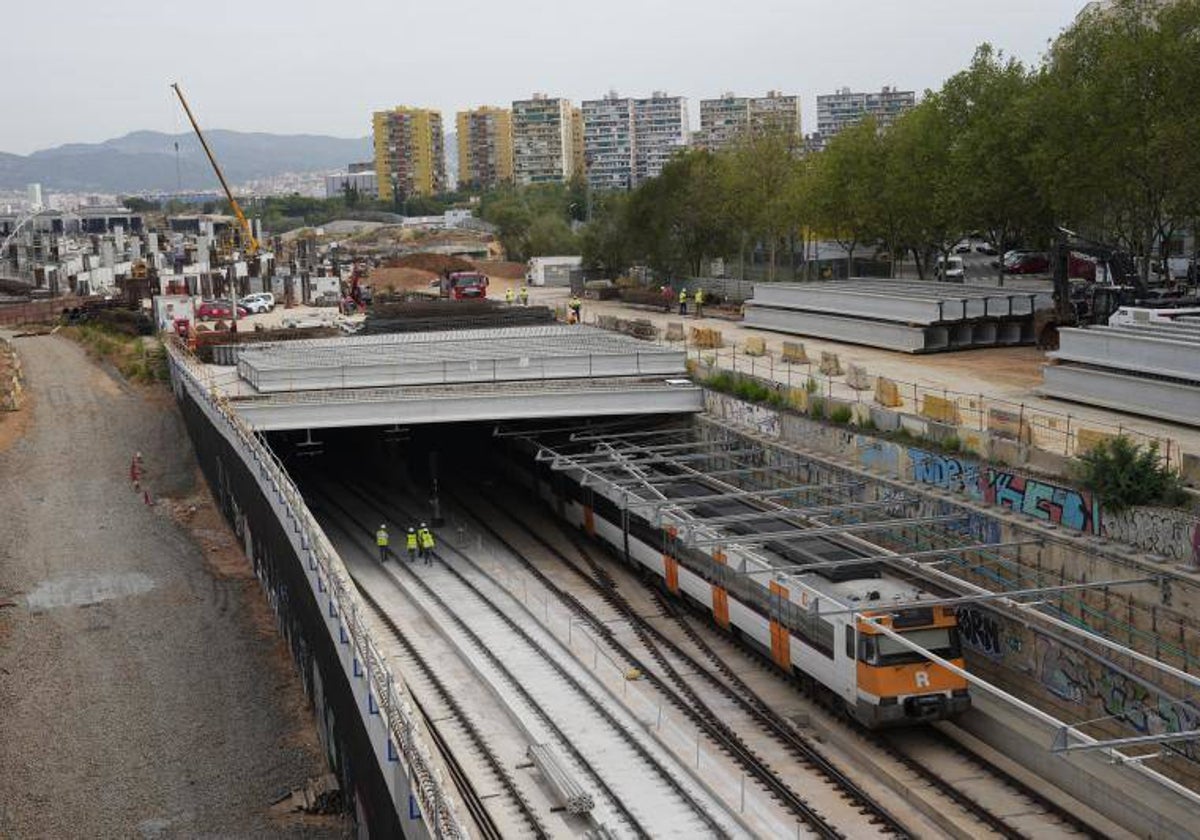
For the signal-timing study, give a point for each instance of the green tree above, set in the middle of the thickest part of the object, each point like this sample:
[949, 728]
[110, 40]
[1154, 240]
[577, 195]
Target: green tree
[842, 188]
[605, 241]
[1117, 107]
[761, 191]
[988, 109]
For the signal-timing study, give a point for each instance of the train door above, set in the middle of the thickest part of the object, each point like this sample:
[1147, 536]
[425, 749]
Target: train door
[846, 663]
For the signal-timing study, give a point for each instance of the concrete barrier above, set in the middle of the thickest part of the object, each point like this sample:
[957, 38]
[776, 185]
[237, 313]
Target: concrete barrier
[830, 364]
[1088, 439]
[1009, 424]
[887, 392]
[940, 409]
[706, 339]
[674, 331]
[793, 353]
[857, 378]
[755, 346]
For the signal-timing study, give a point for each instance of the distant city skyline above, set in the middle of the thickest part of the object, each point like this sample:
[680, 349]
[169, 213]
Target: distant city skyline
[79, 73]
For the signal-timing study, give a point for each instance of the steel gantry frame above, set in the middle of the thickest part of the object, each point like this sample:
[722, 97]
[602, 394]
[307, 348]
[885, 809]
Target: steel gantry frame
[1069, 737]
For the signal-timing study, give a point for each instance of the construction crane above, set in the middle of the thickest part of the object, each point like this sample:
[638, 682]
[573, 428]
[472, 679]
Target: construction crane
[251, 242]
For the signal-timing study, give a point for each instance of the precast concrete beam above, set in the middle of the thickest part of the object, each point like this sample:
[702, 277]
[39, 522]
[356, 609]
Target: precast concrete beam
[1157, 398]
[890, 336]
[1130, 350]
[423, 405]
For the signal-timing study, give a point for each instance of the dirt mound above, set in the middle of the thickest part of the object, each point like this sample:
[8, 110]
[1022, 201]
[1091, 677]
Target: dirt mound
[400, 279]
[436, 263]
[504, 270]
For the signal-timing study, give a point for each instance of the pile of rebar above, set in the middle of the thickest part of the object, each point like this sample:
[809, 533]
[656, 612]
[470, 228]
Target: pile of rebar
[569, 792]
[427, 315]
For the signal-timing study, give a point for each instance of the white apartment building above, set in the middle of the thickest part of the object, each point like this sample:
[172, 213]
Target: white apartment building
[543, 140]
[725, 119]
[660, 131]
[837, 111]
[608, 142]
[366, 184]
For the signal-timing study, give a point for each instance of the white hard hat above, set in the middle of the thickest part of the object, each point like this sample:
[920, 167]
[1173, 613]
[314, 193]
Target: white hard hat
[383, 526]
[422, 524]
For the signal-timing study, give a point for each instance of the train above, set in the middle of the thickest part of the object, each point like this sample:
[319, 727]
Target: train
[804, 622]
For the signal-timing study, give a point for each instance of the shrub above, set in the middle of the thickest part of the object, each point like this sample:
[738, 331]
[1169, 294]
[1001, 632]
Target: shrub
[816, 408]
[951, 443]
[841, 414]
[1123, 474]
[811, 385]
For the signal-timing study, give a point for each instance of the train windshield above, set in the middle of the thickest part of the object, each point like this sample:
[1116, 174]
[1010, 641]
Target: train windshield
[884, 650]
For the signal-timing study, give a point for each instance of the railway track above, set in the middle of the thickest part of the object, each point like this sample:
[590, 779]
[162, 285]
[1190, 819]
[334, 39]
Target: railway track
[447, 699]
[1004, 787]
[661, 648]
[484, 610]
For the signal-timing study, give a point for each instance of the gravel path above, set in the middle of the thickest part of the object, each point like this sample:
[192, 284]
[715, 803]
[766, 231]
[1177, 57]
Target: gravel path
[143, 690]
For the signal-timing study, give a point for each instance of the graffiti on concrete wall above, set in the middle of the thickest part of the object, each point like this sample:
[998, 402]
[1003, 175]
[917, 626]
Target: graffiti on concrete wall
[1169, 533]
[762, 420]
[981, 632]
[1067, 506]
[1070, 677]
[947, 472]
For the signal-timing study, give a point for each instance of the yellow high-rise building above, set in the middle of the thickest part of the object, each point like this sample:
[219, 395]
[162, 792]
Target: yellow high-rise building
[485, 147]
[410, 154]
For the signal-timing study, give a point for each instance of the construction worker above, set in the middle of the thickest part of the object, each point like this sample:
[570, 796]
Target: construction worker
[426, 538]
[509, 296]
[683, 299]
[699, 301]
[576, 307]
[410, 542]
[381, 540]
[524, 295]
[665, 291]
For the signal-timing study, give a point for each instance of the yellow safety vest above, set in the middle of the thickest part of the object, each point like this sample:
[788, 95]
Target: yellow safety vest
[509, 295]
[411, 541]
[683, 296]
[699, 296]
[426, 538]
[381, 537]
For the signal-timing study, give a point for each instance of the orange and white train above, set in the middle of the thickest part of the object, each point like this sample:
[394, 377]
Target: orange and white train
[808, 623]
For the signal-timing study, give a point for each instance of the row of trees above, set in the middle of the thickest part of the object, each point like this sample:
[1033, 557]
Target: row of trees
[1102, 137]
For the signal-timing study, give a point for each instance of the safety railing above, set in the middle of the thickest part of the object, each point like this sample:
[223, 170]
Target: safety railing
[273, 479]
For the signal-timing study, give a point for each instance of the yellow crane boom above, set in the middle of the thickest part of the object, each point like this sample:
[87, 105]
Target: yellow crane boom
[251, 242]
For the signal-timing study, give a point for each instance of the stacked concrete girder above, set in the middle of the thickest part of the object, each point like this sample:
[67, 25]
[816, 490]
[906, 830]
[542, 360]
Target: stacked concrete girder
[454, 356]
[1151, 369]
[913, 317]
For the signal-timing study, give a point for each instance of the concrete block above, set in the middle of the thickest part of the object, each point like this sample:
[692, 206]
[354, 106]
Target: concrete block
[674, 331]
[884, 420]
[704, 338]
[856, 377]
[797, 398]
[755, 346]
[1008, 451]
[1012, 425]
[976, 442]
[793, 353]
[830, 364]
[940, 409]
[1050, 463]
[915, 426]
[1190, 469]
[887, 392]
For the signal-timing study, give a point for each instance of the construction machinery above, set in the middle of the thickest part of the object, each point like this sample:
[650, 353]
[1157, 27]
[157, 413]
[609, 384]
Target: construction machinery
[1113, 283]
[251, 243]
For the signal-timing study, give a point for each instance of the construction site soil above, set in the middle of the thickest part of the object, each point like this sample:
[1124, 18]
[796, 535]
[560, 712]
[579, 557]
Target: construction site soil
[143, 687]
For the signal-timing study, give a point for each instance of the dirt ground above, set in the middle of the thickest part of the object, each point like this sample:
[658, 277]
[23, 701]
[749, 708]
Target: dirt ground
[143, 687]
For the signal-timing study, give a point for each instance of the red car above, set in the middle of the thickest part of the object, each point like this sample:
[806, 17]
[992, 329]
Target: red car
[1027, 263]
[218, 309]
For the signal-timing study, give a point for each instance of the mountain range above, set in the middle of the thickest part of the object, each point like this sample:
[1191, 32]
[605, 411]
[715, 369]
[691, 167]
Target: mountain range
[146, 161]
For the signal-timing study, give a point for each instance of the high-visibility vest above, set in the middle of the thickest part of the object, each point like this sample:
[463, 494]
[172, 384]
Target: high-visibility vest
[426, 538]
[683, 295]
[411, 541]
[381, 537]
[508, 296]
[699, 296]
[524, 293]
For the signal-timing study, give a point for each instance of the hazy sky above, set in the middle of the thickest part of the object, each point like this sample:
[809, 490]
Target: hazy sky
[83, 72]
